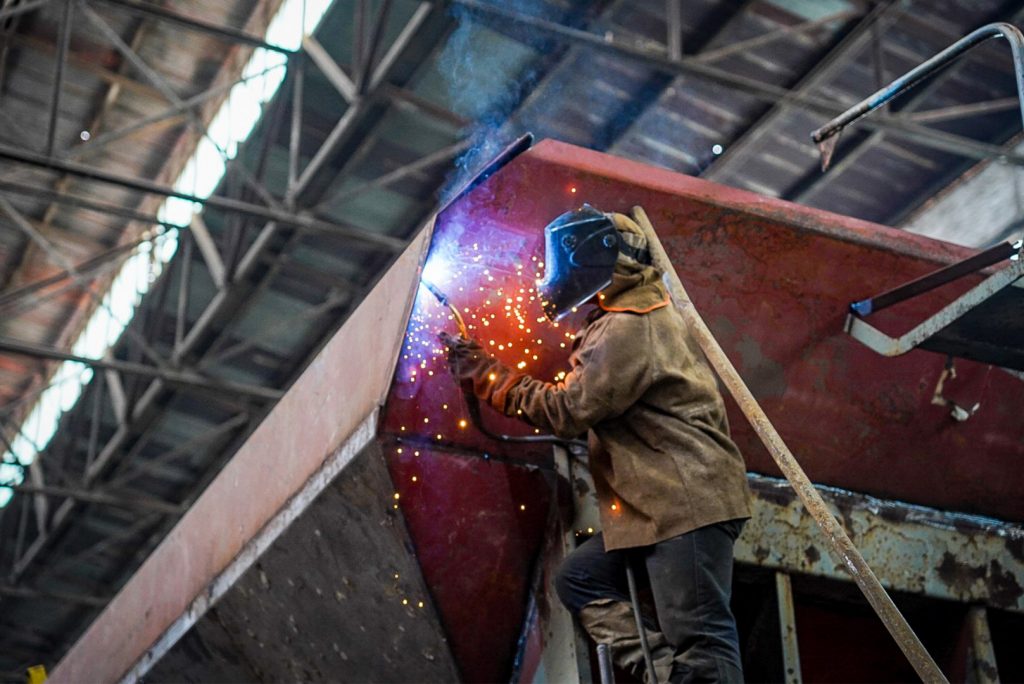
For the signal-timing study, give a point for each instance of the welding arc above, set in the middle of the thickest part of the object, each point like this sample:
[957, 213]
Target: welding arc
[443, 298]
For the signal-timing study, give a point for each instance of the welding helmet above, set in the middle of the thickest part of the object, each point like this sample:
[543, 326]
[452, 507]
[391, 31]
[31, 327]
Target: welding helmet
[580, 249]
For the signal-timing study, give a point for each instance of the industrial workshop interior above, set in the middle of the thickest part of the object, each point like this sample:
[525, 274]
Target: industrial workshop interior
[420, 340]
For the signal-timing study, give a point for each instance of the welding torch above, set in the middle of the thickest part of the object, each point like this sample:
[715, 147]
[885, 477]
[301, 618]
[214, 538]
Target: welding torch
[472, 403]
[443, 298]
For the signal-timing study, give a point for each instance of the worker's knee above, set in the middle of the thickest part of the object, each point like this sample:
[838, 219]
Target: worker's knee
[571, 584]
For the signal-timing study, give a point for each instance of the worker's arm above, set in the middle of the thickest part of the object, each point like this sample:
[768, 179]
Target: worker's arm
[611, 371]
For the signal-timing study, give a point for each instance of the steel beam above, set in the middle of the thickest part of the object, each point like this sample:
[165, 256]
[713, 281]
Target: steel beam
[295, 128]
[143, 504]
[752, 87]
[963, 111]
[16, 190]
[161, 84]
[913, 549]
[707, 36]
[445, 154]
[824, 70]
[343, 129]
[58, 77]
[208, 250]
[146, 9]
[183, 378]
[30, 231]
[708, 56]
[43, 595]
[91, 267]
[138, 467]
[336, 76]
[371, 48]
[223, 203]
[674, 28]
[85, 63]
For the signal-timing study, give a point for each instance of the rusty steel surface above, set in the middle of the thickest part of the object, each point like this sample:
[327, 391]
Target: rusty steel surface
[912, 549]
[319, 413]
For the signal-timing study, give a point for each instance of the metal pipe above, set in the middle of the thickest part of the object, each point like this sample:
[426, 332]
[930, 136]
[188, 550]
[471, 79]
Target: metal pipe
[634, 599]
[604, 664]
[101, 498]
[233, 34]
[935, 279]
[917, 74]
[215, 201]
[177, 377]
[837, 538]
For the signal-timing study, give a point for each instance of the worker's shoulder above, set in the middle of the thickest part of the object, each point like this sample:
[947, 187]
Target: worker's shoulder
[628, 323]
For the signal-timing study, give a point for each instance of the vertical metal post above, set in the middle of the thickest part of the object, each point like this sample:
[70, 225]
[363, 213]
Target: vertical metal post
[184, 289]
[58, 76]
[566, 653]
[839, 542]
[787, 627]
[634, 599]
[360, 11]
[299, 66]
[604, 664]
[981, 658]
[674, 28]
[19, 543]
[97, 416]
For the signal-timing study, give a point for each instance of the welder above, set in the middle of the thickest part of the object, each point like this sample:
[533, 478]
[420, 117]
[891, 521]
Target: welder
[670, 482]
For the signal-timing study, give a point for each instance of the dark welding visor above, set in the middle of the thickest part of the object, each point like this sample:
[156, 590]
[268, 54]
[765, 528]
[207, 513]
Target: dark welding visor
[580, 249]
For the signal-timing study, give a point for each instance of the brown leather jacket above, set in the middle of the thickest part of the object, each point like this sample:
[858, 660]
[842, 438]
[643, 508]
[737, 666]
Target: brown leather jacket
[660, 452]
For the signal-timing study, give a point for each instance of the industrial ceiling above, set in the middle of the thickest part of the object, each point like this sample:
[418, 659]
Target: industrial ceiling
[104, 104]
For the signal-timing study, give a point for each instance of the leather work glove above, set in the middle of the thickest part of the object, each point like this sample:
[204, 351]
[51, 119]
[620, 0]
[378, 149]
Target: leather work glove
[488, 378]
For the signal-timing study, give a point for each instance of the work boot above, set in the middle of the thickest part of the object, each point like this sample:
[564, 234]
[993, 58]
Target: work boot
[612, 622]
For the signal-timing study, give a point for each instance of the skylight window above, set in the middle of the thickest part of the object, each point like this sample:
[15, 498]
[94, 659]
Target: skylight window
[230, 126]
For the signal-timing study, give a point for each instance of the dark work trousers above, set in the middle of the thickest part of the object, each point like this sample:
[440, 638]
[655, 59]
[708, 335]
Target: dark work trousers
[691, 580]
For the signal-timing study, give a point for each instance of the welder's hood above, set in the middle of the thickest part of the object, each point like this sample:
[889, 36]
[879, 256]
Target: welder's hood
[581, 248]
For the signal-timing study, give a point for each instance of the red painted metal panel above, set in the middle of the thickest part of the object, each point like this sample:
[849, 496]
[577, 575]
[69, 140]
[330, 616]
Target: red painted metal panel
[772, 279]
[477, 526]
